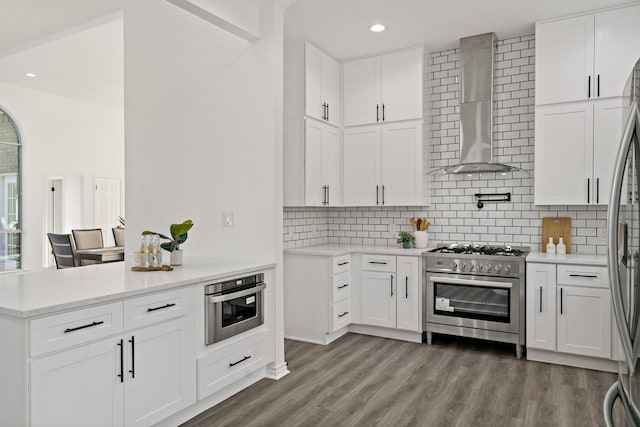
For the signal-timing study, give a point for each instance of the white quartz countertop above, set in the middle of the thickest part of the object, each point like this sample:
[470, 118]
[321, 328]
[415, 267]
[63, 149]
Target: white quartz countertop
[32, 293]
[336, 250]
[576, 259]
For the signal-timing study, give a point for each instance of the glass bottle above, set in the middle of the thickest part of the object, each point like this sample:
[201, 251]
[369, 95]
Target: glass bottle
[157, 259]
[142, 253]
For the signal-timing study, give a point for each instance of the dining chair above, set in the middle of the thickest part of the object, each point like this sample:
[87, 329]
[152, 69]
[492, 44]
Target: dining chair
[88, 238]
[63, 250]
[118, 236]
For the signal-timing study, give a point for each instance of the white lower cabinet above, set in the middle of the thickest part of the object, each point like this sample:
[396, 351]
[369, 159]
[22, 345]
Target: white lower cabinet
[390, 292]
[569, 310]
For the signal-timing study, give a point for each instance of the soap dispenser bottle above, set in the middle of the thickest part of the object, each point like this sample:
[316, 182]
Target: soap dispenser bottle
[561, 248]
[551, 248]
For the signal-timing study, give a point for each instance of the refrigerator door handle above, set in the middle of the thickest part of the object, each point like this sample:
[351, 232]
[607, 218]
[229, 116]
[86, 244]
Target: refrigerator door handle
[613, 218]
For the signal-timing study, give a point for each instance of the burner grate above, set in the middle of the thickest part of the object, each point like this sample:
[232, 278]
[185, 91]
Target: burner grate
[479, 250]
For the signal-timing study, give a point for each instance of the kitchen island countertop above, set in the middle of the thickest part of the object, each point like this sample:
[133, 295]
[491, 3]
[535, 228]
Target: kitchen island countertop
[45, 291]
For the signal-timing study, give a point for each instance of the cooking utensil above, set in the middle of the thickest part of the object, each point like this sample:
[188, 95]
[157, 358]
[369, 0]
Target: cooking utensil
[418, 224]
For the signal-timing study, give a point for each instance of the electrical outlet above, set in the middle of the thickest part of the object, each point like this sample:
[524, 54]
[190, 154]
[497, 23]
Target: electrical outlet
[227, 219]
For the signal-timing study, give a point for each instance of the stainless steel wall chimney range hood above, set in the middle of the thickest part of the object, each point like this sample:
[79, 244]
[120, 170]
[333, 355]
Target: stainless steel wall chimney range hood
[476, 107]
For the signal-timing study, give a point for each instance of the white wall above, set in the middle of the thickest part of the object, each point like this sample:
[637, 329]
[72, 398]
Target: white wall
[201, 129]
[60, 136]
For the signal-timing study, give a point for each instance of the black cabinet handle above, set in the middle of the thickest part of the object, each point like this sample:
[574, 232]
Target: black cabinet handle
[383, 112]
[239, 361]
[589, 87]
[121, 374]
[392, 285]
[66, 331]
[377, 191]
[327, 112]
[378, 262]
[161, 307]
[324, 194]
[343, 314]
[598, 86]
[540, 299]
[597, 190]
[588, 276]
[588, 190]
[343, 286]
[561, 308]
[324, 111]
[383, 195]
[133, 357]
[377, 113]
[328, 193]
[340, 264]
[406, 286]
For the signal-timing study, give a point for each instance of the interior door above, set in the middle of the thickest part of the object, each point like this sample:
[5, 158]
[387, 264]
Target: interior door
[106, 206]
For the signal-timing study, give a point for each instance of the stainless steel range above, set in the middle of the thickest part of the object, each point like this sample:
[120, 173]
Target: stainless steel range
[476, 291]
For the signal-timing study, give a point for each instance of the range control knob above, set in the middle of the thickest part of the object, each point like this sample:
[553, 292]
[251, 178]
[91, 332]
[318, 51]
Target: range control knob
[471, 267]
[463, 266]
[488, 267]
[499, 267]
[454, 265]
[507, 268]
[479, 267]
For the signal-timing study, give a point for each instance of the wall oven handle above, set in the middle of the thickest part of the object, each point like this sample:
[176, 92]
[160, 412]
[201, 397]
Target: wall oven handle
[229, 297]
[587, 276]
[471, 282]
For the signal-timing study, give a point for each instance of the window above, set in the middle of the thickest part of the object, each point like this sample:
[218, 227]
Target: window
[10, 211]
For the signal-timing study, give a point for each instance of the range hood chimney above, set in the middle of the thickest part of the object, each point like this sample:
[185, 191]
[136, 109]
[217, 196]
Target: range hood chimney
[476, 107]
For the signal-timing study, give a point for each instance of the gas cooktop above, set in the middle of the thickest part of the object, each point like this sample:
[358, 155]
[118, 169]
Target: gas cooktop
[480, 250]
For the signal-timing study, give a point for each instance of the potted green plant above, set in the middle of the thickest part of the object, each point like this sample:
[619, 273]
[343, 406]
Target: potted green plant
[178, 237]
[406, 239]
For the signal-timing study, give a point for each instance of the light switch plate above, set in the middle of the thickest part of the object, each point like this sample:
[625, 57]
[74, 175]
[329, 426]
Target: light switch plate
[227, 219]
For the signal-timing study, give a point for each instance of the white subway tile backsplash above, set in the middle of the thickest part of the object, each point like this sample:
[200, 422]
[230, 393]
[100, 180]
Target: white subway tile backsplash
[453, 209]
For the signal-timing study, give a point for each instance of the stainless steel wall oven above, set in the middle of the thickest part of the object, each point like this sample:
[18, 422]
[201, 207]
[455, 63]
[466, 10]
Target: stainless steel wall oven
[233, 307]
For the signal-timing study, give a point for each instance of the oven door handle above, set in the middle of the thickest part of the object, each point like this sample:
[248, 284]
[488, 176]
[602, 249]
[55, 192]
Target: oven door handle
[471, 282]
[240, 294]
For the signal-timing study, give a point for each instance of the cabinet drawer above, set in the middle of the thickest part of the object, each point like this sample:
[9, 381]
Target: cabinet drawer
[75, 327]
[379, 263]
[341, 264]
[580, 275]
[340, 315]
[155, 308]
[227, 365]
[341, 288]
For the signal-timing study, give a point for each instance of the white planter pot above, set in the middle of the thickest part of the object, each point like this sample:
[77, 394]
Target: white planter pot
[422, 239]
[176, 257]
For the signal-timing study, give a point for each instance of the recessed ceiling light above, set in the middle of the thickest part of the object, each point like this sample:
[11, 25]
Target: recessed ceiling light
[376, 28]
[32, 75]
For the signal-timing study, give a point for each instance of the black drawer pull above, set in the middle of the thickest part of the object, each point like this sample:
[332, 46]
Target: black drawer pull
[343, 286]
[588, 276]
[540, 299]
[161, 307]
[343, 263]
[239, 361]
[66, 331]
[378, 262]
[343, 314]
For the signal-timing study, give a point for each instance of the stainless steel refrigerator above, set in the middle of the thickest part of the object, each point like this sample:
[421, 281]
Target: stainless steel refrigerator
[623, 222]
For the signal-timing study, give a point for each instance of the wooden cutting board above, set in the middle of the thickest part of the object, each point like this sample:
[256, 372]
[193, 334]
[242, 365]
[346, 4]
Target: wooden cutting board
[140, 268]
[556, 227]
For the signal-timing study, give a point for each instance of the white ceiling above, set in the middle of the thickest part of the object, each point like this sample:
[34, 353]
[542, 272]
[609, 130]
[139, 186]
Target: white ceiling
[75, 47]
[341, 27]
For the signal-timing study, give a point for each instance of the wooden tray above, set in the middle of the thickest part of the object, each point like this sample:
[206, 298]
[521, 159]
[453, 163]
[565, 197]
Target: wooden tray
[161, 268]
[556, 227]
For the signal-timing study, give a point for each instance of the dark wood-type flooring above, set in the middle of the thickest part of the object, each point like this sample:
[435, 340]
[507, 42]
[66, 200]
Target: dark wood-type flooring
[360, 380]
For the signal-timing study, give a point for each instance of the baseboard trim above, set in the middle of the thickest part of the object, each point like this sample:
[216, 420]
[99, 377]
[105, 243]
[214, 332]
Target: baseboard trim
[574, 360]
[395, 334]
[275, 372]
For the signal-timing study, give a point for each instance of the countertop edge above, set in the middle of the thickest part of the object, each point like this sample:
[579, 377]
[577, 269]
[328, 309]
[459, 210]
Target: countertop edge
[575, 259]
[337, 250]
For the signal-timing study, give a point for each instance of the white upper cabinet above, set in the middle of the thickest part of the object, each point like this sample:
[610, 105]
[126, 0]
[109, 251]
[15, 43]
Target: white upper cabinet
[586, 57]
[322, 164]
[322, 85]
[383, 88]
[382, 165]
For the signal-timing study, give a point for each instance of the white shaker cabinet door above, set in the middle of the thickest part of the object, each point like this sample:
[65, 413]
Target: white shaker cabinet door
[378, 298]
[564, 60]
[78, 387]
[332, 165]
[362, 92]
[584, 321]
[541, 306]
[401, 85]
[617, 48]
[401, 164]
[360, 166]
[160, 372]
[313, 82]
[331, 89]
[564, 154]
[314, 193]
[608, 116]
[408, 293]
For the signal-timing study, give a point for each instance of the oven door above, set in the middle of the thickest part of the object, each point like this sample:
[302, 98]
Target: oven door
[490, 303]
[231, 314]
